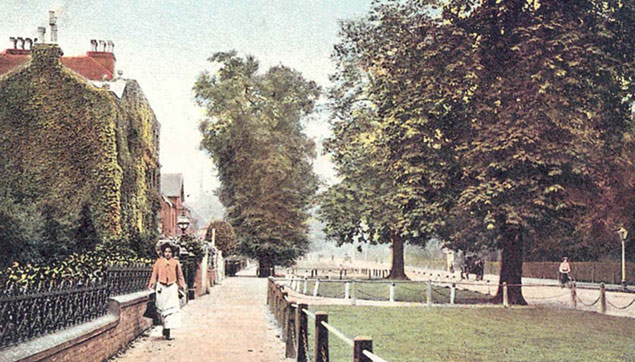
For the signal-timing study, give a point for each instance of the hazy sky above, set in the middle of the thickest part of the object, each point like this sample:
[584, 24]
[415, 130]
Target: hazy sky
[164, 44]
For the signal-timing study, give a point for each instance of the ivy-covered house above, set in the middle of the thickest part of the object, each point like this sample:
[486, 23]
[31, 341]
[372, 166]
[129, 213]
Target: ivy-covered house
[79, 147]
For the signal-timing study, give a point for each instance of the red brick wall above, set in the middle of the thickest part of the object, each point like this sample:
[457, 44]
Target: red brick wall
[107, 340]
[168, 219]
[203, 287]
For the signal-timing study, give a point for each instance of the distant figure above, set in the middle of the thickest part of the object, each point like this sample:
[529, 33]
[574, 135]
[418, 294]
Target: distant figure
[462, 264]
[479, 268]
[564, 270]
[450, 261]
[472, 264]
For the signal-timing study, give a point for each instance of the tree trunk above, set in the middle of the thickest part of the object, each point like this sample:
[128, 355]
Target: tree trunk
[397, 269]
[511, 268]
[265, 268]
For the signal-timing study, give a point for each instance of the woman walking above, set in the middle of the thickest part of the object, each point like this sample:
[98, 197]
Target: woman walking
[167, 276]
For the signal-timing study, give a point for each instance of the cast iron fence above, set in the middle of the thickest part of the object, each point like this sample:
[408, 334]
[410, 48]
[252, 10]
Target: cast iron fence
[125, 280]
[30, 311]
[47, 308]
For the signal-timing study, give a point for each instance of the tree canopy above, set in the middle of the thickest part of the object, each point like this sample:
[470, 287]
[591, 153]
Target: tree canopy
[489, 124]
[224, 236]
[254, 135]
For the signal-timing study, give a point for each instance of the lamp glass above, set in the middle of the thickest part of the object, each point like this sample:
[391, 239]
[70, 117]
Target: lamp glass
[183, 222]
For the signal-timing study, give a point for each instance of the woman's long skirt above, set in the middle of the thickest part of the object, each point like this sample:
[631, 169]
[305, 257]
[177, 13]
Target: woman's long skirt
[168, 305]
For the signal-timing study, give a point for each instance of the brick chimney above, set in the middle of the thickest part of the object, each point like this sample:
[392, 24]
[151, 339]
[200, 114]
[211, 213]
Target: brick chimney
[21, 46]
[46, 54]
[103, 56]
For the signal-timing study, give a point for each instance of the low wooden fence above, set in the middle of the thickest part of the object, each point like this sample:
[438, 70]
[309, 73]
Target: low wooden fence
[440, 291]
[293, 320]
[428, 292]
[341, 273]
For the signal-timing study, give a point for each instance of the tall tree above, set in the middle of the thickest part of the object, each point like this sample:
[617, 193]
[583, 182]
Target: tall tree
[549, 120]
[254, 134]
[496, 123]
[400, 104]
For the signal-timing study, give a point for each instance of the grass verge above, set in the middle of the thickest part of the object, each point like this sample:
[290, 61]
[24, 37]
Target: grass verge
[481, 334]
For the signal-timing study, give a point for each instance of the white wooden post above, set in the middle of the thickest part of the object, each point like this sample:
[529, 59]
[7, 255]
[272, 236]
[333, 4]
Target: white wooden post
[353, 296]
[304, 286]
[316, 287]
[452, 293]
[204, 279]
[392, 291]
[347, 290]
[505, 295]
[429, 292]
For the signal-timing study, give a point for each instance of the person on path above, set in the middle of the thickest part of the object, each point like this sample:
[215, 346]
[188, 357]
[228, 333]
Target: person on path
[167, 277]
[564, 270]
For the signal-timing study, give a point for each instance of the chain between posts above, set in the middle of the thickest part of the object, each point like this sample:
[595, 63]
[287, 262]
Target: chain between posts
[324, 353]
[307, 355]
[588, 305]
[624, 307]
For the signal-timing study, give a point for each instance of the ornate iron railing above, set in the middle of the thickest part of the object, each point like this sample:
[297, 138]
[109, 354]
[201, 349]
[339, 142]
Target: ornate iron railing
[49, 307]
[124, 280]
[31, 310]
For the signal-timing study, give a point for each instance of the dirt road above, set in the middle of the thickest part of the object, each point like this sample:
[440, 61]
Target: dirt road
[231, 324]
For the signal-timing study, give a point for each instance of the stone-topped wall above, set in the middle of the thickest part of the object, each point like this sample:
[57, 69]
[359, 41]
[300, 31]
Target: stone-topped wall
[93, 341]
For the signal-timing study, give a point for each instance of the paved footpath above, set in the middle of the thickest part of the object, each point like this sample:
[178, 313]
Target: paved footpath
[230, 324]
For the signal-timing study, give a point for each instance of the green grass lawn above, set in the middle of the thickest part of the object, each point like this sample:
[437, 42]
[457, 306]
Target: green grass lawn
[481, 334]
[404, 292]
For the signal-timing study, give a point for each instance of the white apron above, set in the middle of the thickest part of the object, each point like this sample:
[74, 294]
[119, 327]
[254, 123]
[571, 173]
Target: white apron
[168, 305]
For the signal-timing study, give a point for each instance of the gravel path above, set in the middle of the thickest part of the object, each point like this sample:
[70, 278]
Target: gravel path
[231, 324]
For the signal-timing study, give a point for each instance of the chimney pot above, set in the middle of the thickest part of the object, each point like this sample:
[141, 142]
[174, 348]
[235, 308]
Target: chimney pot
[21, 41]
[102, 45]
[93, 45]
[53, 24]
[15, 42]
[111, 46]
[41, 31]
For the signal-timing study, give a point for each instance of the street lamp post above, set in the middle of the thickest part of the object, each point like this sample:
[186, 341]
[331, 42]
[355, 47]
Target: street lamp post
[623, 233]
[183, 223]
[188, 263]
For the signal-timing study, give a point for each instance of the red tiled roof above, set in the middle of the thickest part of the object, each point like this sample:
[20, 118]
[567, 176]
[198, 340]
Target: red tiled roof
[84, 65]
[10, 61]
[88, 67]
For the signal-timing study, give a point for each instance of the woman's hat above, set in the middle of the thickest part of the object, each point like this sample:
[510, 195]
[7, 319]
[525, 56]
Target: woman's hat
[164, 243]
